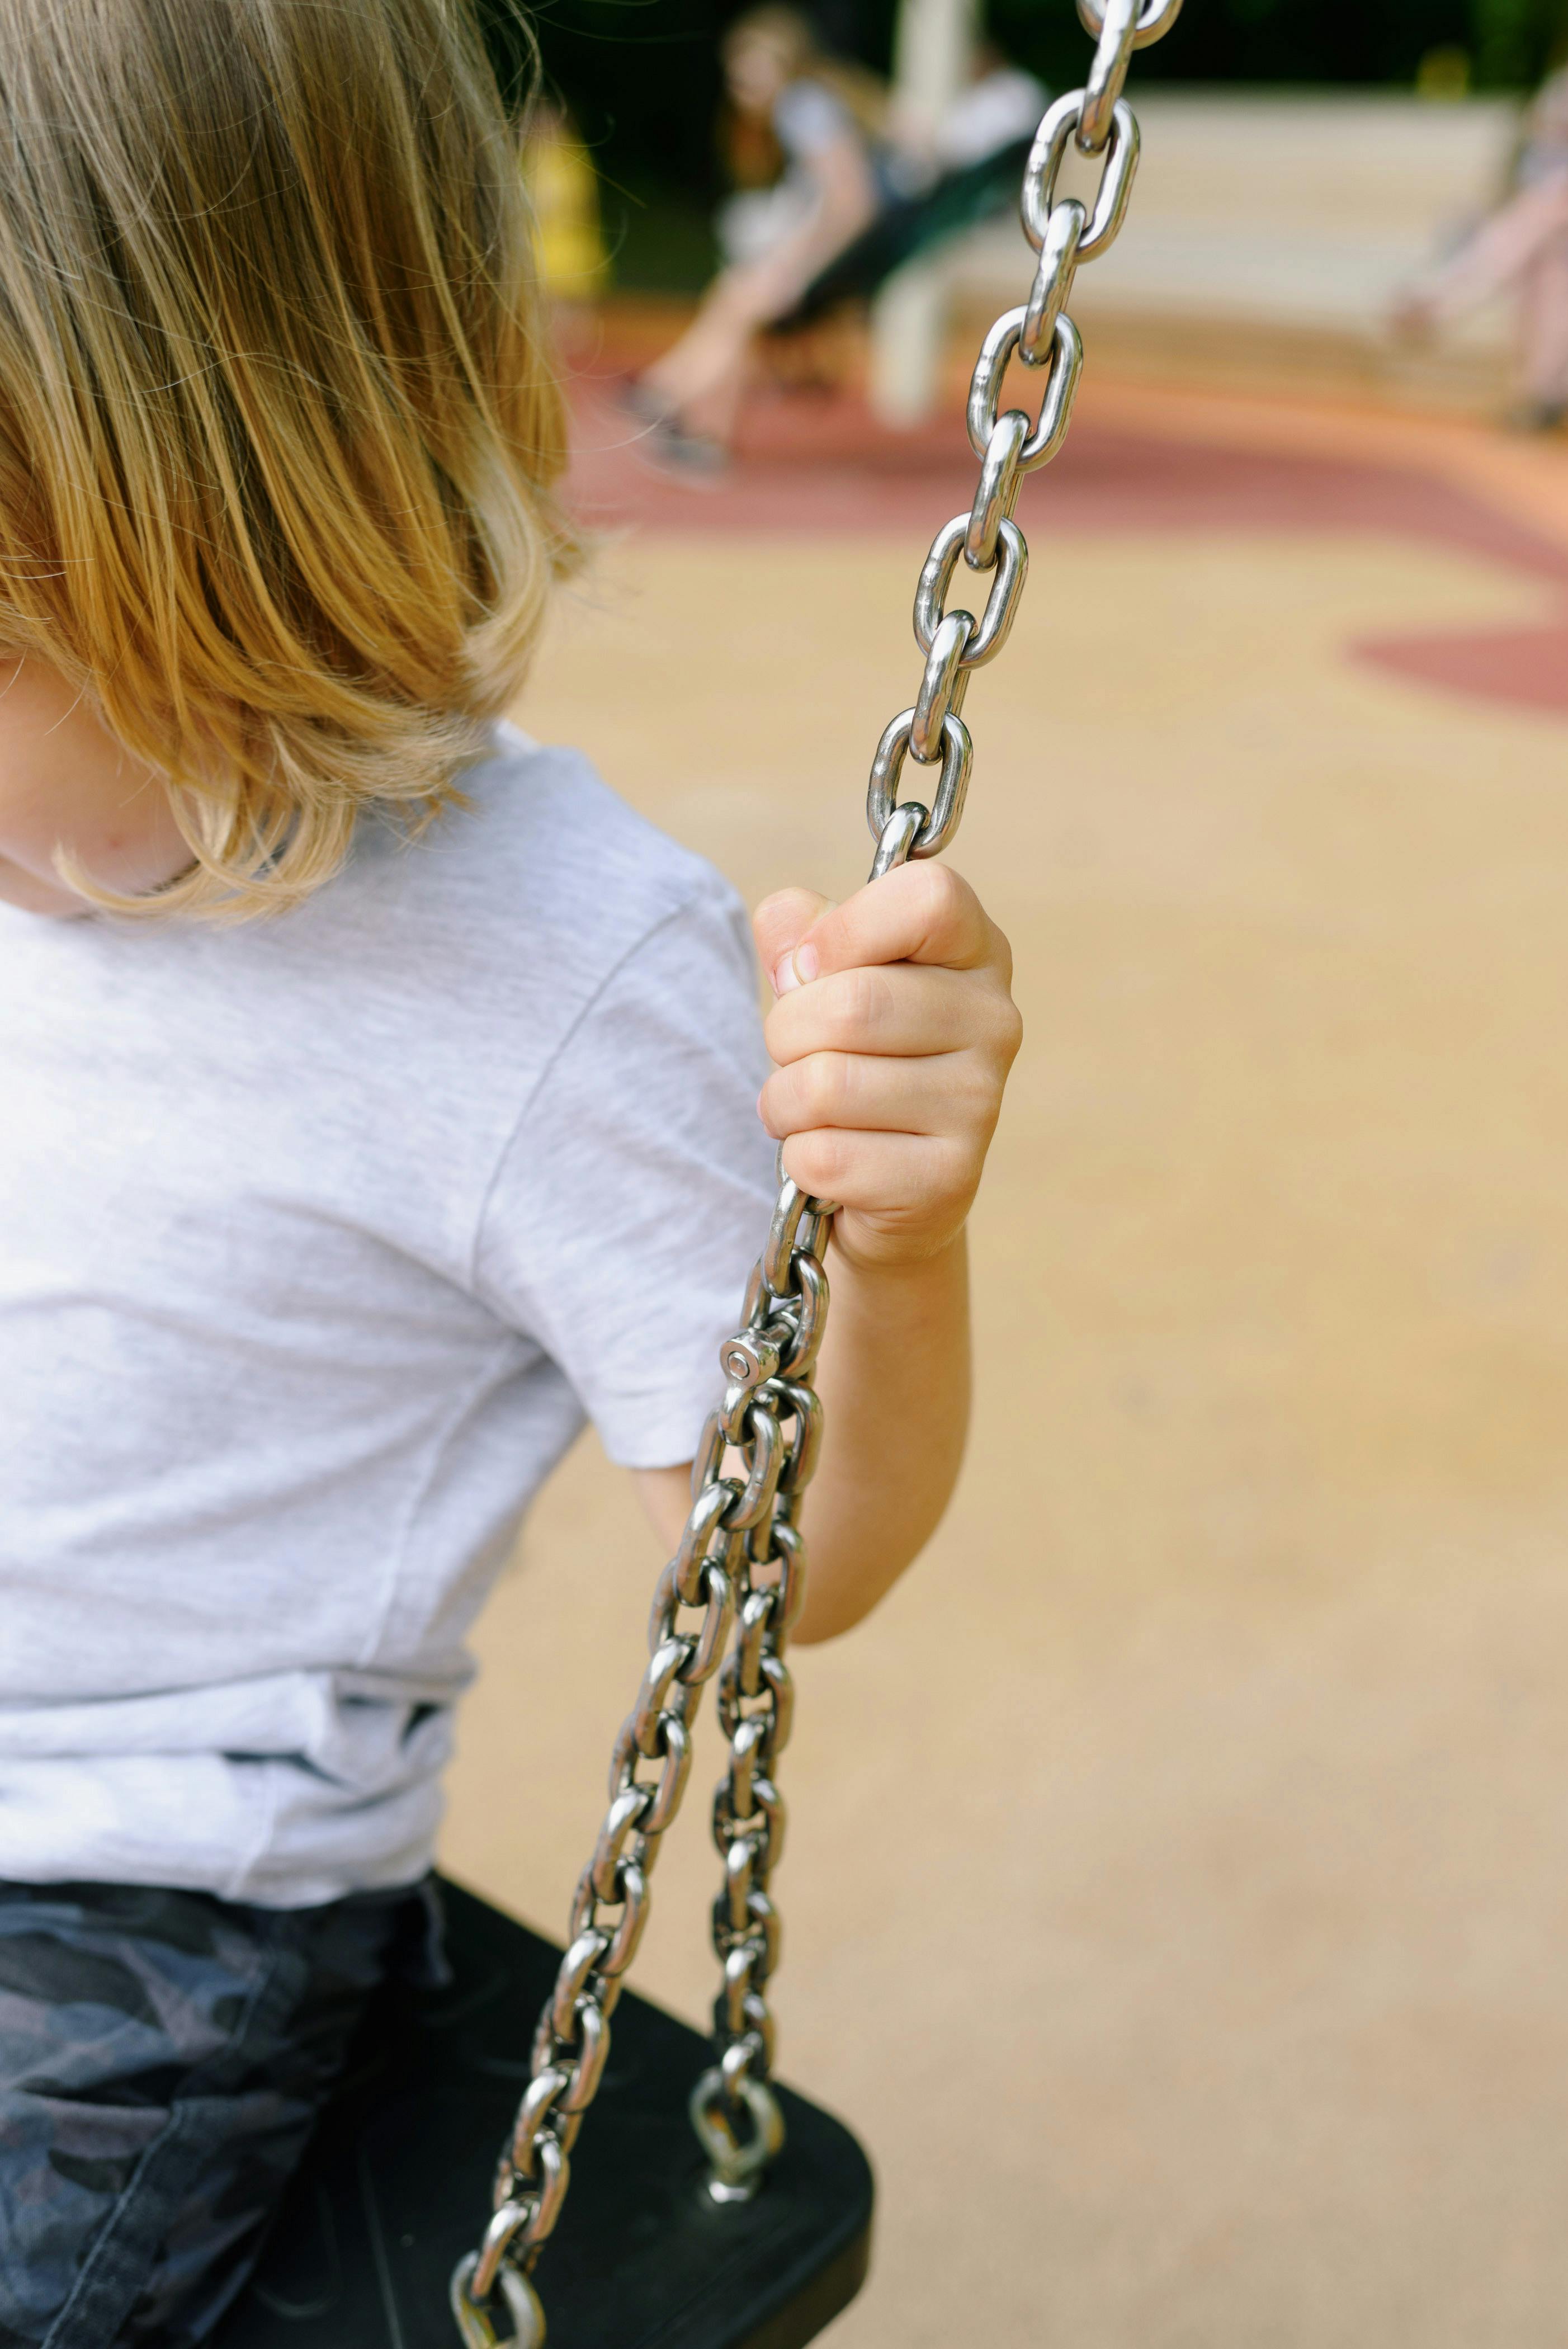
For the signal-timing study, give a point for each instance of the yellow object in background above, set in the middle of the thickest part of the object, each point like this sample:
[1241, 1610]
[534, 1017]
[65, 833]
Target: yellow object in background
[1444, 74]
[563, 186]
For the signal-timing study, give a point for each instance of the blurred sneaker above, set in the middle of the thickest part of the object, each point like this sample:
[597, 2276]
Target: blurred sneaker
[635, 399]
[691, 457]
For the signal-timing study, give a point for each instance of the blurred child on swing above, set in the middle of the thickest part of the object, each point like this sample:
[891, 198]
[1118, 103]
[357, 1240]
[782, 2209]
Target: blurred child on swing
[804, 135]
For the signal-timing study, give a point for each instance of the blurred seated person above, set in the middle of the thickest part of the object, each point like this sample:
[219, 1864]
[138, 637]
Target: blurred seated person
[814, 121]
[1521, 248]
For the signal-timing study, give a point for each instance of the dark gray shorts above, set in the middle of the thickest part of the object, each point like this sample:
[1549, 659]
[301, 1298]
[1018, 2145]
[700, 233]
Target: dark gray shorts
[162, 2057]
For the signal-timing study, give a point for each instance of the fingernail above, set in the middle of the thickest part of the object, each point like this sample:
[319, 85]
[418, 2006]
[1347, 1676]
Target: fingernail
[784, 977]
[808, 963]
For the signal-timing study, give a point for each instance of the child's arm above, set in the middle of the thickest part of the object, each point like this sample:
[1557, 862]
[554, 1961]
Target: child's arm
[894, 1031]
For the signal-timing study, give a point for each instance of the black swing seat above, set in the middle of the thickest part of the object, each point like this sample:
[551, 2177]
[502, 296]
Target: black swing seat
[907, 228]
[395, 2186]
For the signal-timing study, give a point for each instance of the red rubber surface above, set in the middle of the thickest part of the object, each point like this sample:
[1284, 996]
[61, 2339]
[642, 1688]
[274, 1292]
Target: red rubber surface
[815, 466]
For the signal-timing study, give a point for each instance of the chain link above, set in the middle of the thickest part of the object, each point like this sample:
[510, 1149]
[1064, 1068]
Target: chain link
[726, 1602]
[1066, 234]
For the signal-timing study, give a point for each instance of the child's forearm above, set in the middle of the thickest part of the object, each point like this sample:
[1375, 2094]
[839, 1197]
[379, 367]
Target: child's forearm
[893, 1375]
[892, 1033]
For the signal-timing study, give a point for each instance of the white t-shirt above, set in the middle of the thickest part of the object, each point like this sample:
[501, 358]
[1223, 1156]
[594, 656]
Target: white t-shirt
[807, 118]
[318, 1239]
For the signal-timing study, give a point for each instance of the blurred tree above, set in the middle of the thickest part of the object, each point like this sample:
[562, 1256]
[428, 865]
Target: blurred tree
[1516, 40]
[1509, 42]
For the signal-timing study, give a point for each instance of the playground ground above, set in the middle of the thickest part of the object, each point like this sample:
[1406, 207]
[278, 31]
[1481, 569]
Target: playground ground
[1177, 1884]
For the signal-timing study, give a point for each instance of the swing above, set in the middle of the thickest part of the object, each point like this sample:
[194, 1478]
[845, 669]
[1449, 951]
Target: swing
[757, 2235]
[376, 2220]
[905, 229]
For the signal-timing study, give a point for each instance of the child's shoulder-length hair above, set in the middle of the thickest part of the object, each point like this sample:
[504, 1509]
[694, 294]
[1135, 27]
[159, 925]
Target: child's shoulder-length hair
[279, 432]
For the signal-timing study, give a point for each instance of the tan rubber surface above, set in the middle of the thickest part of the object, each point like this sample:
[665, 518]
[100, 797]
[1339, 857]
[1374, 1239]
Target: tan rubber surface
[1178, 1863]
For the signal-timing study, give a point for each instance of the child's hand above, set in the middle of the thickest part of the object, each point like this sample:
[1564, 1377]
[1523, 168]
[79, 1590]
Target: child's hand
[893, 1033]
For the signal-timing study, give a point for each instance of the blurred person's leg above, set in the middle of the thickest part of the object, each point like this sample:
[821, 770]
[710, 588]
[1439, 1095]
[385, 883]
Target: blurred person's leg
[710, 348]
[696, 385]
[692, 394]
[1505, 254]
[1544, 338]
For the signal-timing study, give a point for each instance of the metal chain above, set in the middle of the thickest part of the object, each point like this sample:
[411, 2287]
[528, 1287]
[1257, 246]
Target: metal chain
[769, 1364]
[739, 1572]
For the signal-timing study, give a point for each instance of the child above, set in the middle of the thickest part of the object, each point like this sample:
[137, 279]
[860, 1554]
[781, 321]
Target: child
[818, 119]
[379, 1093]
[1522, 248]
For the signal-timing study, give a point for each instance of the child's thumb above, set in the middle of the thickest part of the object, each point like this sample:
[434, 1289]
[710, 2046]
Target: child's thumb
[779, 924]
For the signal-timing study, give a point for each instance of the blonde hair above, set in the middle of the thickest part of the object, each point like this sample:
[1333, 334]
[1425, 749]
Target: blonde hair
[792, 34]
[279, 430]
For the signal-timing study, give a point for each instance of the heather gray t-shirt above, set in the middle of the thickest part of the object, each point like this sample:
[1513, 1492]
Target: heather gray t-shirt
[319, 1237]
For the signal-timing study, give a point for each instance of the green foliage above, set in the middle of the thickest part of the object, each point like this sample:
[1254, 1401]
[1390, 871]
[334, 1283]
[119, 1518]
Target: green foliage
[1509, 43]
[1514, 41]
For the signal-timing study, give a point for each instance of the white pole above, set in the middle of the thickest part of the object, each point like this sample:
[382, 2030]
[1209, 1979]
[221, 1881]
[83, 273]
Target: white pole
[932, 58]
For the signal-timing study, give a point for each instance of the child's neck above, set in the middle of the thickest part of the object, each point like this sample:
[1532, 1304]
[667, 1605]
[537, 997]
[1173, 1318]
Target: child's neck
[65, 783]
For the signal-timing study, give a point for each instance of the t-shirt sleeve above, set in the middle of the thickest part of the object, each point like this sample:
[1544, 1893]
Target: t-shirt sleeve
[632, 1197]
[807, 118]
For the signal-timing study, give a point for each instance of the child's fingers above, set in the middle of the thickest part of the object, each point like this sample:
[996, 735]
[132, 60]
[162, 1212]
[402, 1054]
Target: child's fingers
[888, 1008]
[779, 924]
[919, 913]
[949, 1093]
[899, 1178]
